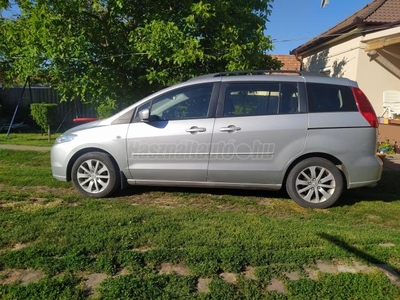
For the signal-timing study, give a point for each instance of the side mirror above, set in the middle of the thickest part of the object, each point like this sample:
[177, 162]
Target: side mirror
[144, 115]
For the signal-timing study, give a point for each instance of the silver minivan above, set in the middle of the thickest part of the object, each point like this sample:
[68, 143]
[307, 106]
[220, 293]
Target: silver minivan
[312, 135]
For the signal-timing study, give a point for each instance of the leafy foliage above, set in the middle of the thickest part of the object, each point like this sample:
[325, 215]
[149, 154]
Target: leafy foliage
[44, 115]
[104, 50]
[386, 147]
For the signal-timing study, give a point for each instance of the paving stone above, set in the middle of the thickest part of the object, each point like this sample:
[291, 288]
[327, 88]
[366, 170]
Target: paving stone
[387, 245]
[326, 267]
[312, 274]
[123, 272]
[360, 267]
[203, 285]
[32, 276]
[25, 276]
[292, 275]
[19, 246]
[277, 286]
[390, 273]
[249, 273]
[179, 269]
[93, 282]
[346, 269]
[229, 277]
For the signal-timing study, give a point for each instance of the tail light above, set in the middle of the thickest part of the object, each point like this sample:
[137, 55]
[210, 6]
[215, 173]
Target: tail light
[365, 107]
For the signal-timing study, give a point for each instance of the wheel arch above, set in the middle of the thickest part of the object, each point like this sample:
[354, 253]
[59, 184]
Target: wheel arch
[84, 151]
[329, 157]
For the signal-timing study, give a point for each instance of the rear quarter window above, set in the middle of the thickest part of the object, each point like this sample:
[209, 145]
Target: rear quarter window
[330, 98]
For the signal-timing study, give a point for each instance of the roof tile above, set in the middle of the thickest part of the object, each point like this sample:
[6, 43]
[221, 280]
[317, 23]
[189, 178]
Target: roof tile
[378, 12]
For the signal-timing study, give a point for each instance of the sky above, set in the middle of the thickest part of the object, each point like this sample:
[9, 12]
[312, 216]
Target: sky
[294, 22]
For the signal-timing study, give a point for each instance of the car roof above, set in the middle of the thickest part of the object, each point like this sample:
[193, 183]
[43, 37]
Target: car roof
[271, 75]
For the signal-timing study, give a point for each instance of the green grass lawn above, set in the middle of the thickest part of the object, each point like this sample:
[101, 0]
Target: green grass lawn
[28, 139]
[47, 226]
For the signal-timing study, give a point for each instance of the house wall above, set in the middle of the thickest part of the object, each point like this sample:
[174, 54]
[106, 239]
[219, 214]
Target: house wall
[374, 79]
[374, 74]
[339, 59]
[348, 59]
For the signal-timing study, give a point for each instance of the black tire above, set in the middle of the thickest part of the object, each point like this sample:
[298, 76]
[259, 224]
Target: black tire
[95, 175]
[315, 183]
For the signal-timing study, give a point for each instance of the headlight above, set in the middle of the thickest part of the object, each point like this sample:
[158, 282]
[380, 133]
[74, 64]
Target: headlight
[65, 138]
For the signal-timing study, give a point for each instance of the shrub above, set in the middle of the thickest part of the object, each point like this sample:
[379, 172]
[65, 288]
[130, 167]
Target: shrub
[44, 115]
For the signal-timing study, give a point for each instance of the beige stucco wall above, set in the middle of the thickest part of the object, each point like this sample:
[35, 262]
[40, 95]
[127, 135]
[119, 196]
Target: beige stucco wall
[373, 75]
[374, 79]
[348, 59]
[341, 59]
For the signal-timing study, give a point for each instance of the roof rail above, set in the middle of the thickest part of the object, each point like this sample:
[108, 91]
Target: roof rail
[261, 72]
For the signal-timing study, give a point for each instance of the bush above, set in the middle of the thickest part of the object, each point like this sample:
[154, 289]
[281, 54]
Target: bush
[44, 115]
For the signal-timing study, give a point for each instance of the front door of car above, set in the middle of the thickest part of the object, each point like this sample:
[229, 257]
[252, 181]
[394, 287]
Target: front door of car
[173, 143]
[259, 129]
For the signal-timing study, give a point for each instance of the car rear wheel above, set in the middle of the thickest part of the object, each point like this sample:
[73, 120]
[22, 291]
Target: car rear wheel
[315, 183]
[95, 175]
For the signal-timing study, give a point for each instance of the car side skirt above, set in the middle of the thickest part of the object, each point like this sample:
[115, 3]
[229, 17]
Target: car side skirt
[272, 187]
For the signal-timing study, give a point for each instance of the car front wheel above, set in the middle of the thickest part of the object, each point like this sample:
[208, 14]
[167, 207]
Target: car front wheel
[315, 183]
[94, 175]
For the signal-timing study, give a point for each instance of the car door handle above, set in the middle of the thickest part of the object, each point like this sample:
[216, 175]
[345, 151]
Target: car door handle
[195, 129]
[230, 128]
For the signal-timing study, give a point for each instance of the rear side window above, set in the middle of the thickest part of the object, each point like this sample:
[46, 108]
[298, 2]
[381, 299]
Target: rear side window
[254, 99]
[330, 98]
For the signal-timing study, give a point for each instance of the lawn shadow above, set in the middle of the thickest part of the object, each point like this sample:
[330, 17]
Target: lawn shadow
[384, 266]
[387, 190]
[139, 190]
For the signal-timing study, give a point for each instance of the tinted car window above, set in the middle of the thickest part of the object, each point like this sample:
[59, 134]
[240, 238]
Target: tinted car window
[187, 103]
[330, 98]
[261, 99]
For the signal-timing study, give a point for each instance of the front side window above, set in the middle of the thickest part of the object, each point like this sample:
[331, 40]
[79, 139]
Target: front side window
[261, 99]
[186, 103]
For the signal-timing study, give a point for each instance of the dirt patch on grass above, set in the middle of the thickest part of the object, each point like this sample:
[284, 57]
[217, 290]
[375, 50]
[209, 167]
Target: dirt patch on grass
[179, 269]
[203, 285]
[93, 282]
[33, 204]
[229, 277]
[23, 277]
[250, 273]
[277, 286]
[19, 246]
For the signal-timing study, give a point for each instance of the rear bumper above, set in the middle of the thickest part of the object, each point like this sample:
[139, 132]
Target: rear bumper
[364, 171]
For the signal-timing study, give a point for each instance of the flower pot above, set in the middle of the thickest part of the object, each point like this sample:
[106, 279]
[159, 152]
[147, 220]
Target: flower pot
[381, 156]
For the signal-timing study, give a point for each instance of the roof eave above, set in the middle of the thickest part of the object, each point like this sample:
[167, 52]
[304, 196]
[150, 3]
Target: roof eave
[335, 35]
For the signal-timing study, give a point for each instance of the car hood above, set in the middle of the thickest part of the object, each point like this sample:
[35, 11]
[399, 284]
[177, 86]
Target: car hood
[84, 126]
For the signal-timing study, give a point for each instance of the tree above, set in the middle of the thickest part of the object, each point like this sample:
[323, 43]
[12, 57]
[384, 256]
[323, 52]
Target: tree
[103, 50]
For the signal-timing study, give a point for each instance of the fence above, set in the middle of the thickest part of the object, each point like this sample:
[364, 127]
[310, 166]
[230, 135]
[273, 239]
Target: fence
[66, 110]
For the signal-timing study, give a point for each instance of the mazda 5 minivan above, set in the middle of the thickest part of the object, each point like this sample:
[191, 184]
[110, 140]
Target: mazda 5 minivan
[311, 135]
